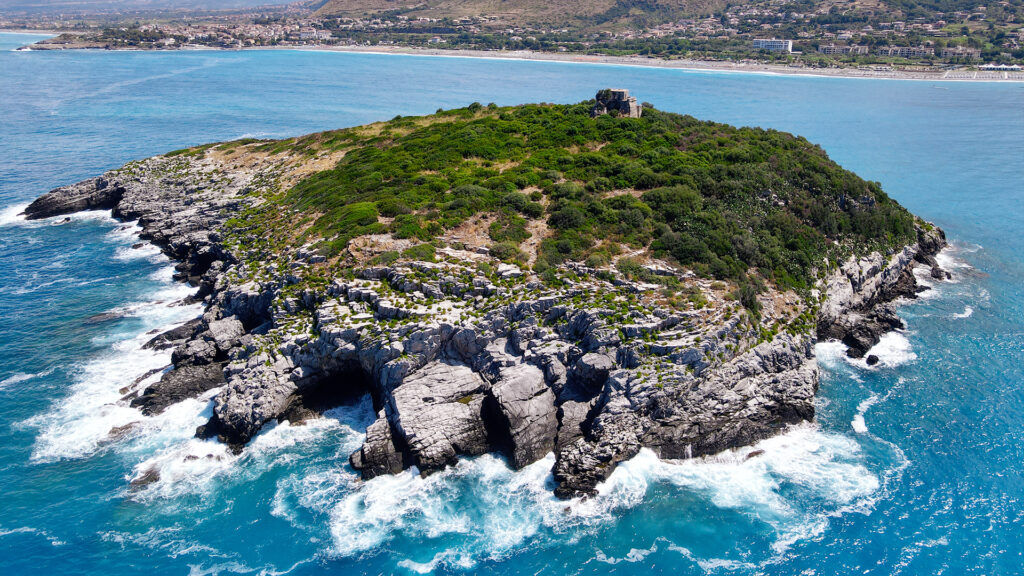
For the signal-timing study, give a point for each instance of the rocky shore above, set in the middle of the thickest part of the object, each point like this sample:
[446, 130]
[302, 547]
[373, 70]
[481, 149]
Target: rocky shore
[461, 363]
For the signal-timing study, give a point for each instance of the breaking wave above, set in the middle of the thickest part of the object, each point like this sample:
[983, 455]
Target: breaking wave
[97, 413]
[480, 509]
[12, 214]
[893, 349]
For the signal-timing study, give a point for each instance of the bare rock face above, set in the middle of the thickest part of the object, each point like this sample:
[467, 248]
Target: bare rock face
[747, 399]
[175, 336]
[438, 410]
[592, 369]
[179, 384]
[379, 454]
[527, 410]
[226, 333]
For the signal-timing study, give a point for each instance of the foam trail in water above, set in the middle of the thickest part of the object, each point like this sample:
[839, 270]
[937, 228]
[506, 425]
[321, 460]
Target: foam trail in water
[54, 541]
[23, 377]
[858, 423]
[965, 314]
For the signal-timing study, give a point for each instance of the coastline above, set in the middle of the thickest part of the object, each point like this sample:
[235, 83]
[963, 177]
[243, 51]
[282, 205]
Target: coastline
[29, 32]
[682, 64]
[688, 65]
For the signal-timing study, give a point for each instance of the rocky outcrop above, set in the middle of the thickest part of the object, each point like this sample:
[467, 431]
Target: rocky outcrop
[95, 194]
[462, 363]
[856, 309]
[181, 383]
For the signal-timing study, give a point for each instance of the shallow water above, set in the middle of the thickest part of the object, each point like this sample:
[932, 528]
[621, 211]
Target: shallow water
[913, 467]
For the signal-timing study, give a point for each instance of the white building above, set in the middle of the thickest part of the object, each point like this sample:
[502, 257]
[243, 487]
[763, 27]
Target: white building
[832, 49]
[906, 51]
[773, 45]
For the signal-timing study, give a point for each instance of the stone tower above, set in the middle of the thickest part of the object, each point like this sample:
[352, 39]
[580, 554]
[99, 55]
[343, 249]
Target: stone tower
[616, 99]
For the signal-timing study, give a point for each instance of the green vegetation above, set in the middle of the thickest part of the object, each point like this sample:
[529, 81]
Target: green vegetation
[741, 204]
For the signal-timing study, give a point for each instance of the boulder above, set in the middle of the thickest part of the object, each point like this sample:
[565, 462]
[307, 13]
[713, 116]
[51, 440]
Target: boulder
[591, 371]
[175, 336]
[179, 384]
[437, 411]
[526, 406]
[379, 455]
[226, 333]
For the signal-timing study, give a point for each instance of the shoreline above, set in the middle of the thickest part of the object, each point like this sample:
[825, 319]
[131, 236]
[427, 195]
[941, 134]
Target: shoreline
[31, 32]
[687, 65]
[641, 62]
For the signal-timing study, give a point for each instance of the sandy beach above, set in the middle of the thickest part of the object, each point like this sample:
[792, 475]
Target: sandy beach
[738, 67]
[742, 67]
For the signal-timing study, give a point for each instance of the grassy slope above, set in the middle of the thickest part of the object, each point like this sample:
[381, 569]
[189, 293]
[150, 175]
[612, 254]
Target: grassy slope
[740, 204]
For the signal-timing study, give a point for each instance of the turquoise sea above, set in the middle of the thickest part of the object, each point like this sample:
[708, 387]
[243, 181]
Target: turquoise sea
[915, 466]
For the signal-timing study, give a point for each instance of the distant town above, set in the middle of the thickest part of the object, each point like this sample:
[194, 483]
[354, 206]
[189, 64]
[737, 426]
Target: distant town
[811, 34]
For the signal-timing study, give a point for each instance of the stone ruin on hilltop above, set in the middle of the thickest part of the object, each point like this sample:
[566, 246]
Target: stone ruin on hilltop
[618, 100]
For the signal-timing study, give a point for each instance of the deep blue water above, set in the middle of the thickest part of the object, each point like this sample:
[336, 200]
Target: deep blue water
[914, 467]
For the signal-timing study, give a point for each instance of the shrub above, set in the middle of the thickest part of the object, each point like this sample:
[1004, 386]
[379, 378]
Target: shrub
[505, 251]
[567, 218]
[421, 252]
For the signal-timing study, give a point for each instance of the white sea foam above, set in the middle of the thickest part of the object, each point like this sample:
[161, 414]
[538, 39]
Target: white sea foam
[11, 214]
[965, 314]
[447, 558]
[892, 350]
[713, 564]
[144, 252]
[82, 423]
[133, 248]
[171, 540]
[494, 510]
[15, 378]
[53, 540]
[830, 353]
[23, 377]
[909, 553]
[84, 216]
[858, 423]
[950, 261]
[186, 465]
[634, 555]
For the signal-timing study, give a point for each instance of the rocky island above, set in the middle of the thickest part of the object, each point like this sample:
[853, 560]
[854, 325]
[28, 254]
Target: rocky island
[520, 280]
